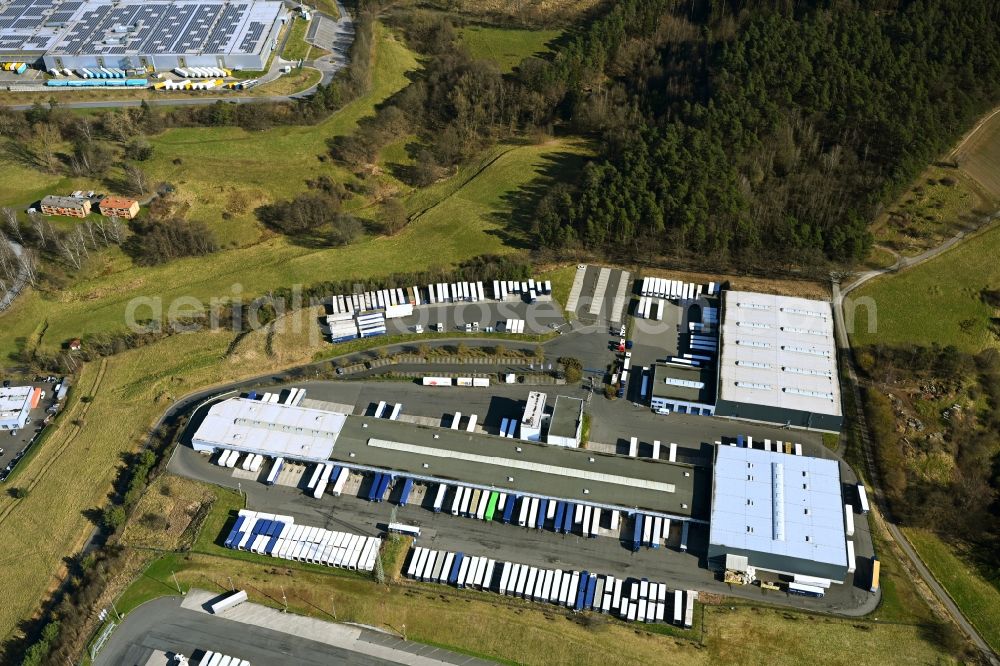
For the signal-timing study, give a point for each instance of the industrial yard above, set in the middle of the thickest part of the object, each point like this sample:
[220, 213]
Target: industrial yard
[503, 456]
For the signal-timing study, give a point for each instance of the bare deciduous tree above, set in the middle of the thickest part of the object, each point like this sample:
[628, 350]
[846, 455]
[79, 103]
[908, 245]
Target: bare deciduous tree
[137, 179]
[13, 225]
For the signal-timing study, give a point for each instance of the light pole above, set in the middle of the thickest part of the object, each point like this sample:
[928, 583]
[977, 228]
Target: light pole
[174, 576]
[284, 599]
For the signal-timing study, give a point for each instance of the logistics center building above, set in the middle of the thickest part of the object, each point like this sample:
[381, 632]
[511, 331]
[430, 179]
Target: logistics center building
[779, 362]
[15, 405]
[783, 512]
[140, 34]
[441, 455]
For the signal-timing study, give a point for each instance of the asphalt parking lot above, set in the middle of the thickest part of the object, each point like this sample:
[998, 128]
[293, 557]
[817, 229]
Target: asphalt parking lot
[14, 443]
[600, 295]
[260, 635]
[539, 317]
[607, 554]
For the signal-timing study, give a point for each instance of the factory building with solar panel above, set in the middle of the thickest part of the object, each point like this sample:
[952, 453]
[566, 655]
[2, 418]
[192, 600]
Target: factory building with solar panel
[778, 362]
[149, 35]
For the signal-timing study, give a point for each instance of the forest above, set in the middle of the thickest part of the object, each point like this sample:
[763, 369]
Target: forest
[770, 131]
[742, 132]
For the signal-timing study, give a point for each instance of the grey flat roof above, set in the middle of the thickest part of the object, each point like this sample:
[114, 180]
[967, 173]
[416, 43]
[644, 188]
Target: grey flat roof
[14, 401]
[688, 384]
[537, 469]
[136, 27]
[778, 503]
[779, 351]
[62, 202]
[565, 416]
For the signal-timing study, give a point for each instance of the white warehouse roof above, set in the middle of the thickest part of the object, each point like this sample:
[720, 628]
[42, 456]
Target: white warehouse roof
[15, 403]
[779, 351]
[778, 503]
[248, 425]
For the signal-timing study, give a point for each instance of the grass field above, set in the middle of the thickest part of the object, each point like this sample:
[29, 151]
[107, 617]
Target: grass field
[506, 47]
[978, 599]
[930, 302]
[297, 48]
[941, 202]
[979, 156]
[469, 221]
[137, 386]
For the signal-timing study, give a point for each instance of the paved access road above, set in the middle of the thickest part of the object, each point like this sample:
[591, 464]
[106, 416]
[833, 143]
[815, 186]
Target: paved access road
[261, 635]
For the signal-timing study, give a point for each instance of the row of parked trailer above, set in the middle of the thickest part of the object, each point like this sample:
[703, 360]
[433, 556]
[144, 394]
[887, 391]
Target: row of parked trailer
[328, 474]
[676, 289]
[279, 536]
[291, 397]
[218, 659]
[393, 303]
[456, 381]
[100, 73]
[97, 83]
[533, 512]
[530, 289]
[16, 67]
[349, 326]
[777, 446]
[400, 301]
[651, 531]
[205, 84]
[630, 599]
[514, 325]
[201, 72]
[251, 461]
[650, 308]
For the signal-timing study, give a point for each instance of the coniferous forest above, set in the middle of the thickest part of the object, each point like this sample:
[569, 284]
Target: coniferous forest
[760, 131]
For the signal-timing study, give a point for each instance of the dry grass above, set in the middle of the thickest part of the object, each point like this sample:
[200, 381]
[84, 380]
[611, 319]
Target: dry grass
[174, 498]
[513, 631]
[769, 637]
[979, 155]
[529, 12]
[940, 202]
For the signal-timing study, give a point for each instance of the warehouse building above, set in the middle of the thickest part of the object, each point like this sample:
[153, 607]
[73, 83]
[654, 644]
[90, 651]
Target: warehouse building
[269, 429]
[682, 389]
[66, 206]
[566, 423]
[440, 455]
[140, 34]
[779, 362]
[15, 404]
[782, 512]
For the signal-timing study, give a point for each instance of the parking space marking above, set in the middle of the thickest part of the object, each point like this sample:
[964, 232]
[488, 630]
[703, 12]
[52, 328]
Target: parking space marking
[619, 305]
[574, 293]
[599, 289]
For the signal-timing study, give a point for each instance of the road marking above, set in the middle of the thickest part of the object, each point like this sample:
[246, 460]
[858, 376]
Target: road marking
[599, 289]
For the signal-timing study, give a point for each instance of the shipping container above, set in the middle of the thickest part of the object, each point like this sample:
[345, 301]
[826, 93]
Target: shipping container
[862, 498]
[508, 510]
[800, 589]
